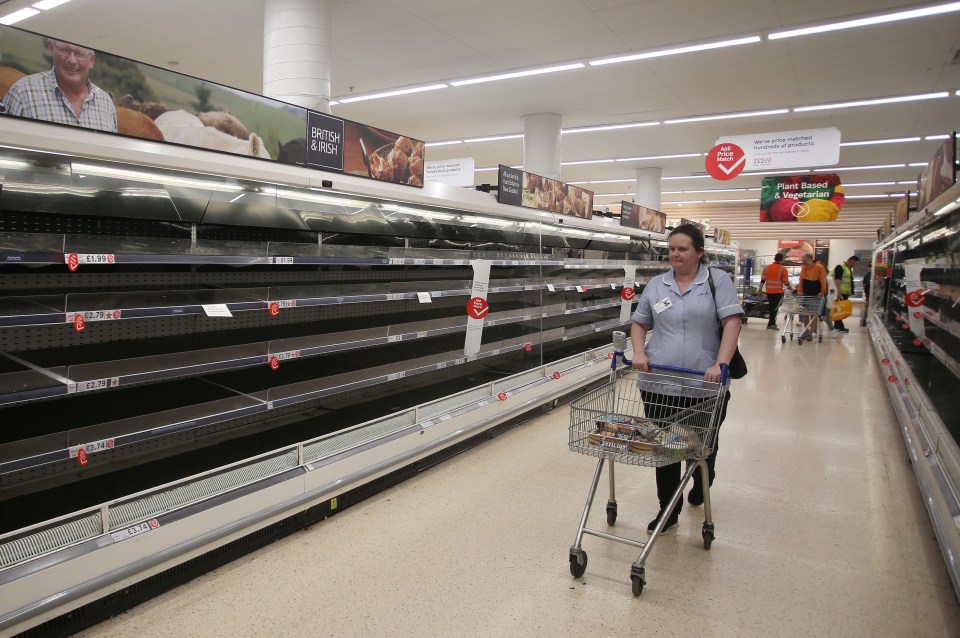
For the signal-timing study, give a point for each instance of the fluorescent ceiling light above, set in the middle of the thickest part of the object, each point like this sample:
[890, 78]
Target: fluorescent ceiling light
[334, 102]
[611, 181]
[916, 164]
[657, 157]
[882, 100]
[607, 127]
[237, 197]
[17, 16]
[446, 143]
[864, 22]
[375, 96]
[684, 177]
[689, 201]
[784, 172]
[730, 201]
[931, 138]
[519, 74]
[596, 161]
[726, 116]
[19, 165]
[895, 140]
[870, 184]
[494, 138]
[486, 168]
[157, 178]
[611, 194]
[869, 196]
[858, 168]
[909, 181]
[718, 190]
[49, 4]
[677, 50]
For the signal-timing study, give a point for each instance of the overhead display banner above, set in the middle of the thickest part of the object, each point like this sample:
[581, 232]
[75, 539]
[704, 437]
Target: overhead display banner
[801, 198]
[519, 188]
[939, 174]
[793, 250]
[134, 99]
[788, 149]
[456, 172]
[721, 236]
[821, 251]
[641, 217]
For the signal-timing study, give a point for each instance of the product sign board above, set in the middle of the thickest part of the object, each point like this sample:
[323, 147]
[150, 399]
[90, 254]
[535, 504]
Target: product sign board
[455, 172]
[324, 141]
[519, 188]
[721, 236]
[801, 198]
[821, 251]
[641, 217]
[477, 307]
[725, 161]
[902, 211]
[939, 174]
[787, 149]
[793, 250]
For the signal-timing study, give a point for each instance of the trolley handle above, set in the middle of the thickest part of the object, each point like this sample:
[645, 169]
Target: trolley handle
[724, 368]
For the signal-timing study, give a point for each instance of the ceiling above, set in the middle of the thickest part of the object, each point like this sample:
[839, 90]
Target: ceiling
[387, 44]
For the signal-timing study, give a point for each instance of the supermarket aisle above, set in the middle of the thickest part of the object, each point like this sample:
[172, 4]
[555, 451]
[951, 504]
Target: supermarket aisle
[820, 531]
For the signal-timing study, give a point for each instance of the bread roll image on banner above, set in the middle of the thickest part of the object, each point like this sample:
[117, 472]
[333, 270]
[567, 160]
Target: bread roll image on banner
[801, 198]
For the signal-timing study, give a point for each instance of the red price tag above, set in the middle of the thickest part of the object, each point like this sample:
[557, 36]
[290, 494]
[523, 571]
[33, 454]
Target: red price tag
[79, 323]
[528, 347]
[73, 262]
[274, 363]
[917, 315]
[892, 378]
[917, 342]
[502, 396]
[477, 307]
[905, 326]
[274, 309]
[915, 299]
[110, 444]
[725, 161]
[885, 362]
[82, 457]
[609, 355]
[627, 294]
[154, 523]
[111, 258]
[899, 318]
[556, 375]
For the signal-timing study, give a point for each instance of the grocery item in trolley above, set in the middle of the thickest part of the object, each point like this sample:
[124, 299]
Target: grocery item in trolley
[619, 433]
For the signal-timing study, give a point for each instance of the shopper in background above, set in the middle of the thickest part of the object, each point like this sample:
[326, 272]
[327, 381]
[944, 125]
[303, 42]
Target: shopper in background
[775, 277]
[866, 298]
[64, 94]
[843, 273]
[813, 283]
[686, 320]
[831, 297]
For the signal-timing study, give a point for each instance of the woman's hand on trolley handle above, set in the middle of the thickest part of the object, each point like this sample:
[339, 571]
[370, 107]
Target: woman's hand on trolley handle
[638, 341]
[640, 361]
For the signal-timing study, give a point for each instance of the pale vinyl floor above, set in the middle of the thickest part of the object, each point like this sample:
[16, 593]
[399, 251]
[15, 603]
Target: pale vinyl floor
[820, 531]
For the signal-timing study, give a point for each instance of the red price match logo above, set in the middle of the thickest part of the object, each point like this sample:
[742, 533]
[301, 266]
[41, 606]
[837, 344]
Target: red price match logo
[274, 309]
[917, 342]
[78, 323]
[274, 363]
[82, 457]
[914, 299]
[477, 308]
[502, 396]
[917, 315]
[154, 523]
[905, 326]
[627, 294]
[609, 355]
[73, 262]
[892, 378]
[725, 161]
[528, 347]
[556, 375]
[111, 259]
[885, 362]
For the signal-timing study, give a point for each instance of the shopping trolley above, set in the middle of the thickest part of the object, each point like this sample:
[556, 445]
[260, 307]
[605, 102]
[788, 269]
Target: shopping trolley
[796, 306]
[651, 419]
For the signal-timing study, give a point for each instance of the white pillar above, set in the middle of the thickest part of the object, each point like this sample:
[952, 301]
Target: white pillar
[541, 144]
[297, 41]
[648, 187]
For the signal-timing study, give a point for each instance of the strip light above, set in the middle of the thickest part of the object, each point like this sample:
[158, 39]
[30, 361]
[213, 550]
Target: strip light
[595, 161]
[726, 116]
[157, 178]
[895, 140]
[864, 22]
[519, 74]
[494, 138]
[681, 203]
[17, 16]
[753, 39]
[49, 4]
[658, 157]
[883, 100]
[376, 96]
[486, 168]
[932, 138]
[858, 168]
[445, 143]
[606, 127]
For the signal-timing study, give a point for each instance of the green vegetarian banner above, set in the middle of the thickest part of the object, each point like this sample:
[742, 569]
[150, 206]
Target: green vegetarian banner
[801, 198]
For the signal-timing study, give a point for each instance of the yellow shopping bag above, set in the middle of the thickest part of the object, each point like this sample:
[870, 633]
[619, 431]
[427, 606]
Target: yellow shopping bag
[841, 309]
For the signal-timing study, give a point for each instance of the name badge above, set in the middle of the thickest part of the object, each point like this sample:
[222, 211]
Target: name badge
[662, 305]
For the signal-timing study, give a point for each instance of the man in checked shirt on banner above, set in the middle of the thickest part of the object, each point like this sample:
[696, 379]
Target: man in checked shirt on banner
[64, 94]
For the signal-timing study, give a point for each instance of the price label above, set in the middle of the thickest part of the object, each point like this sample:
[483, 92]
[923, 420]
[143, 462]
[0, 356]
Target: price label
[274, 363]
[89, 448]
[918, 315]
[135, 530]
[424, 297]
[94, 315]
[422, 334]
[283, 261]
[289, 354]
[78, 323]
[917, 342]
[82, 457]
[905, 326]
[885, 362]
[892, 378]
[274, 309]
[73, 260]
[393, 338]
[445, 417]
[419, 262]
[92, 385]
[609, 355]
[551, 288]
[582, 288]
[396, 375]
[217, 310]
[528, 347]
[395, 296]
[397, 262]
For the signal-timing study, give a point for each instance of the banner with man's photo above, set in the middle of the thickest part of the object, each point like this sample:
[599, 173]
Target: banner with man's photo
[113, 94]
[641, 217]
[519, 188]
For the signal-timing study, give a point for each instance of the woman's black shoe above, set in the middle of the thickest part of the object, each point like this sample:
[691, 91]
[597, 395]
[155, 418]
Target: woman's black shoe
[670, 524]
[695, 497]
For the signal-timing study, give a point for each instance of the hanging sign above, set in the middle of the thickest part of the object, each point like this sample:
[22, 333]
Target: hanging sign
[477, 307]
[801, 198]
[725, 161]
[456, 172]
[786, 149]
[627, 294]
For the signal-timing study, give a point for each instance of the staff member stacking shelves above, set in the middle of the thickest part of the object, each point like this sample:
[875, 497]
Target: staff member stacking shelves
[685, 318]
[777, 280]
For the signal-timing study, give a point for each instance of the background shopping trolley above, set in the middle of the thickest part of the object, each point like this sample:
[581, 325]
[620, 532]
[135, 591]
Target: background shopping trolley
[794, 306]
[651, 419]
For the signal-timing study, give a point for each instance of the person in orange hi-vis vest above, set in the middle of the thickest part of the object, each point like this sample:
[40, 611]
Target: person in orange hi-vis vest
[776, 280]
[813, 283]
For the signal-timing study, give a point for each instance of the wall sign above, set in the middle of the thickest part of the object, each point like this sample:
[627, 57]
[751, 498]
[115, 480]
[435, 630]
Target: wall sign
[324, 141]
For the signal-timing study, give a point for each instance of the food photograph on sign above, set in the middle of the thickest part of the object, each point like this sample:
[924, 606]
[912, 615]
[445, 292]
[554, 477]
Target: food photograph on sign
[939, 174]
[552, 195]
[801, 198]
[793, 250]
[139, 100]
[641, 217]
[382, 155]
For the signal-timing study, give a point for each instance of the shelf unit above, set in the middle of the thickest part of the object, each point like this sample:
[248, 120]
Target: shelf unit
[914, 321]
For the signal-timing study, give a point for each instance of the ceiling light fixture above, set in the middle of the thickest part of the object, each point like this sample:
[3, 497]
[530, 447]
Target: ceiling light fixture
[611, 181]
[494, 138]
[445, 143]
[726, 116]
[753, 39]
[606, 127]
[931, 138]
[376, 96]
[611, 194]
[596, 161]
[689, 201]
[486, 168]
[882, 100]
[858, 168]
[704, 176]
[870, 184]
[917, 164]
[17, 16]
[870, 196]
[896, 140]
[657, 157]
[731, 201]
[718, 190]
[868, 21]
[519, 74]
[334, 102]
[49, 4]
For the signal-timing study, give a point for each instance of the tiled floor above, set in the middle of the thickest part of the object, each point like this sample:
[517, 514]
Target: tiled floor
[820, 528]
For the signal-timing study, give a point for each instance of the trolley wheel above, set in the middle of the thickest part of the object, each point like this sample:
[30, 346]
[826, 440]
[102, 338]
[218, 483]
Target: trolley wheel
[611, 513]
[578, 563]
[783, 339]
[707, 535]
[638, 579]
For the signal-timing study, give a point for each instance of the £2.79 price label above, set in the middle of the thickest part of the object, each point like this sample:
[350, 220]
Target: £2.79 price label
[93, 385]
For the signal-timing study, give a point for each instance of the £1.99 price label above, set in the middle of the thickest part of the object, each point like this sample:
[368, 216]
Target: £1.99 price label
[73, 260]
